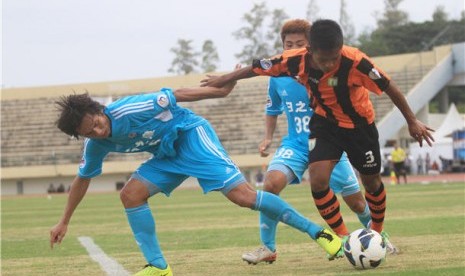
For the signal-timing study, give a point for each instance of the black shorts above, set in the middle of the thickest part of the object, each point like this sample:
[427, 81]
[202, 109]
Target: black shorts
[328, 141]
[399, 167]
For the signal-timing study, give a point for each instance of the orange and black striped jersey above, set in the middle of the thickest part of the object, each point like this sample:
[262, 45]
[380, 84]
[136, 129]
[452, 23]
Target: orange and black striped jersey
[342, 95]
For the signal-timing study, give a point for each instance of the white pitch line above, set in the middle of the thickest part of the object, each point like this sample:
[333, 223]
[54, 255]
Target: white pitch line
[109, 265]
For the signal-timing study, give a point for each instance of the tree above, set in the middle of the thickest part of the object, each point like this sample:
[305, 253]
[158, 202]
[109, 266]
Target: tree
[209, 57]
[412, 37]
[392, 16]
[439, 14]
[253, 33]
[312, 10]
[346, 24]
[273, 35]
[184, 61]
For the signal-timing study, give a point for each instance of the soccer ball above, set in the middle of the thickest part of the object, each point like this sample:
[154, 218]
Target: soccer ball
[365, 249]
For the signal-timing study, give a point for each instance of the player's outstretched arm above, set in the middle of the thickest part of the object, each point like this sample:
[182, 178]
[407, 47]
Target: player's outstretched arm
[201, 93]
[417, 129]
[76, 193]
[219, 81]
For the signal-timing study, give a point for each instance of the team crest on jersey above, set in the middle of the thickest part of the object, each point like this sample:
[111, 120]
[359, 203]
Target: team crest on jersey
[162, 101]
[266, 64]
[374, 74]
[332, 81]
[311, 144]
[268, 102]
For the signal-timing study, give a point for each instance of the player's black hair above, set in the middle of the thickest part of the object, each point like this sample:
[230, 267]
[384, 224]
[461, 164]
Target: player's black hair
[72, 110]
[325, 34]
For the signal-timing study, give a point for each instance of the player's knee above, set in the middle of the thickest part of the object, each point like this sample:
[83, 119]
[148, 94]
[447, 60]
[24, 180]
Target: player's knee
[319, 178]
[242, 196]
[273, 187]
[131, 198]
[371, 182]
[358, 206]
[319, 183]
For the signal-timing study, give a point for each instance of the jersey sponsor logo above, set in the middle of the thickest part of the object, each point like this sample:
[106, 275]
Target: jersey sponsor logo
[374, 74]
[162, 100]
[265, 64]
[284, 93]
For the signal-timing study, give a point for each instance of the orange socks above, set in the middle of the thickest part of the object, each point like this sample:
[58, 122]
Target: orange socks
[377, 204]
[328, 206]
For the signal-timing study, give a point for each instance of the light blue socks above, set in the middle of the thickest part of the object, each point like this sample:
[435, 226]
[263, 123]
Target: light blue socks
[143, 227]
[268, 231]
[365, 217]
[277, 209]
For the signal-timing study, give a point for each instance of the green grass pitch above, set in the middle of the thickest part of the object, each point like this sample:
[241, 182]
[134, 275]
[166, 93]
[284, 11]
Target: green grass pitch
[206, 234]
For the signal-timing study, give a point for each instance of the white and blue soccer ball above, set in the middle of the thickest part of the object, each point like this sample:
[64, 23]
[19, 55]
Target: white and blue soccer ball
[365, 249]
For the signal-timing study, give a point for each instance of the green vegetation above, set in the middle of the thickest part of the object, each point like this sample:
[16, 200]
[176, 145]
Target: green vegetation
[206, 234]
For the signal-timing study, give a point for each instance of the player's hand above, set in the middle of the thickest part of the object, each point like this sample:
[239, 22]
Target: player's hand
[420, 132]
[57, 233]
[263, 147]
[210, 80]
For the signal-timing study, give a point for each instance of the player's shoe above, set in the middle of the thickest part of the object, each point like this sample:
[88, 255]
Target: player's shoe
[150, 270]
[262, 254]
[390, 248]
[331, 243]
[340, 253]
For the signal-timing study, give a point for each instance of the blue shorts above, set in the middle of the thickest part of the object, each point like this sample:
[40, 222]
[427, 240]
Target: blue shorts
[199, 154]
[293, 162]
[288, 157]
[343, 179]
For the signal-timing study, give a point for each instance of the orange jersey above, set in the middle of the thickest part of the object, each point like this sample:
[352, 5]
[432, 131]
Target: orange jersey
[340, 95]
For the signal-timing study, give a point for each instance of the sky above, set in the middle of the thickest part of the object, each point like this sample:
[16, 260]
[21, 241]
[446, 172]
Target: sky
[54, 42]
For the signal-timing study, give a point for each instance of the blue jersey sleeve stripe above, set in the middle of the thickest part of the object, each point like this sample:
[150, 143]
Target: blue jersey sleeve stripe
[134, 111]
[131, 104]
[131, 108]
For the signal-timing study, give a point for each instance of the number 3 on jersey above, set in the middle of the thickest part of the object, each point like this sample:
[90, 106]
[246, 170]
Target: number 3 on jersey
[301, 124]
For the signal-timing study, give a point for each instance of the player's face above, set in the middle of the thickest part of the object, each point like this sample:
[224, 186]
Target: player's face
[95, 126]
[326, 60]
[295, 41]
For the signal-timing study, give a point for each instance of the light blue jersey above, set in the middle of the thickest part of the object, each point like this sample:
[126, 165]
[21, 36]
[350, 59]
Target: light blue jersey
[286, 95]
[183, 144]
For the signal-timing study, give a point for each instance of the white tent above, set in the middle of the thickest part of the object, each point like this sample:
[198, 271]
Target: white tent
[443, 142]
[451, 123]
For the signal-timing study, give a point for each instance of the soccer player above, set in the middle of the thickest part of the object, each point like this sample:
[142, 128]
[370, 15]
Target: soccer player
[339, 78]
[183, 144]
[291, 158]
